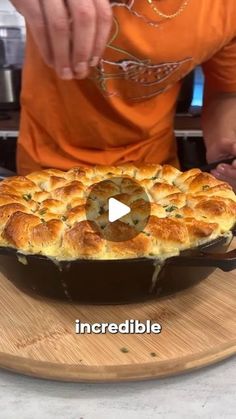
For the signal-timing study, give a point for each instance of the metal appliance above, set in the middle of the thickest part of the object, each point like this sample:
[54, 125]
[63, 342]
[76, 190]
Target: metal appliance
[11, 61]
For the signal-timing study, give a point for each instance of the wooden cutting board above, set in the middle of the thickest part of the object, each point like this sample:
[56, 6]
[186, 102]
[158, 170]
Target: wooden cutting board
[37, 336]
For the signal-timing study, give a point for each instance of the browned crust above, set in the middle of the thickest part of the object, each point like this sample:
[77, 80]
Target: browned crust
[45, 212]
[167, 229]
[83, 239]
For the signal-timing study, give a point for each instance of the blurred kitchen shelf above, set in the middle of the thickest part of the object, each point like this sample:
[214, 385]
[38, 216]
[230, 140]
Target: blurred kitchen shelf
[191, 149]
[9, 121]
[185, 125]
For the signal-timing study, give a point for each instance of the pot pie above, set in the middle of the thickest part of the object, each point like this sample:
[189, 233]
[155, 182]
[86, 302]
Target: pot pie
[45, 212]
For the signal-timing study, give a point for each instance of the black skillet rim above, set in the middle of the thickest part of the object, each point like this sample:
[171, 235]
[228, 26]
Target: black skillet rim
[187, 252]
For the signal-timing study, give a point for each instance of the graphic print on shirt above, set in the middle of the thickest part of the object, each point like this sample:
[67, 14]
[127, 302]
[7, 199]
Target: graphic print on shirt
[133, 78]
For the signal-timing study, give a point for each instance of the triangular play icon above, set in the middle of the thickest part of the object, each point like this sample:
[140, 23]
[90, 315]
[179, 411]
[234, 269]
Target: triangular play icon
[117, 210]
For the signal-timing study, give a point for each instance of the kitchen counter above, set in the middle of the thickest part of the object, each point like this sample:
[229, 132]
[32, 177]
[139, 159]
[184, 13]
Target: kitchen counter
[208, 393]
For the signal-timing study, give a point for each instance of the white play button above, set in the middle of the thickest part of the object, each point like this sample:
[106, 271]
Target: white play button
[116, 210]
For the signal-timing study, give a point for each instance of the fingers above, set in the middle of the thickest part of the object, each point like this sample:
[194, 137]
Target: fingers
[92, 20]
[35, 20]
[84, 23]
[226, 173]
[227, 170]
[104, 24]
[58, 27]
[225, 148]
[71, 34]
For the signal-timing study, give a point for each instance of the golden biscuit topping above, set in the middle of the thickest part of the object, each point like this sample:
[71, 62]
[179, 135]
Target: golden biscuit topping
[46, 212]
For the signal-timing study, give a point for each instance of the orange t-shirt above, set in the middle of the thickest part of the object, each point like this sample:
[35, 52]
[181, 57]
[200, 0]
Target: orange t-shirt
[124, 111]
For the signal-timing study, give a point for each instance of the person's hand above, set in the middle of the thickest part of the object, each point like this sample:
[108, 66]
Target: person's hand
[219, 130]
[71, 35]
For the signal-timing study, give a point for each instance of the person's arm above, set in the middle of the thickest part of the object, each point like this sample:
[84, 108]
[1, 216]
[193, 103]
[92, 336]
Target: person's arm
[219, 112]
[71, 35]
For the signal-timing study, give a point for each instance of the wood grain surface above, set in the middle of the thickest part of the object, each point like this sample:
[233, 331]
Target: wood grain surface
[37, 336]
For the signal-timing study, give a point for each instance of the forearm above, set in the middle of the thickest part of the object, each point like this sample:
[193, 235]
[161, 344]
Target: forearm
[213, 97]
[219, 107]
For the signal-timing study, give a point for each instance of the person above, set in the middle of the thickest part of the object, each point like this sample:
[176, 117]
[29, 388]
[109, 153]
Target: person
[101, 80]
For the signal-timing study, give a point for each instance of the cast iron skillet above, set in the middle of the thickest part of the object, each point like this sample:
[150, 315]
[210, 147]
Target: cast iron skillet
[115, 281]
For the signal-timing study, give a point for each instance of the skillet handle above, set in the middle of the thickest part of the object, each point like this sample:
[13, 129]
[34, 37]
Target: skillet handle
[224, 261]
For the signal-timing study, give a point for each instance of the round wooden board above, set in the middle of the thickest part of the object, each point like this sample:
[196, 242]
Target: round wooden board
[37, 337]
